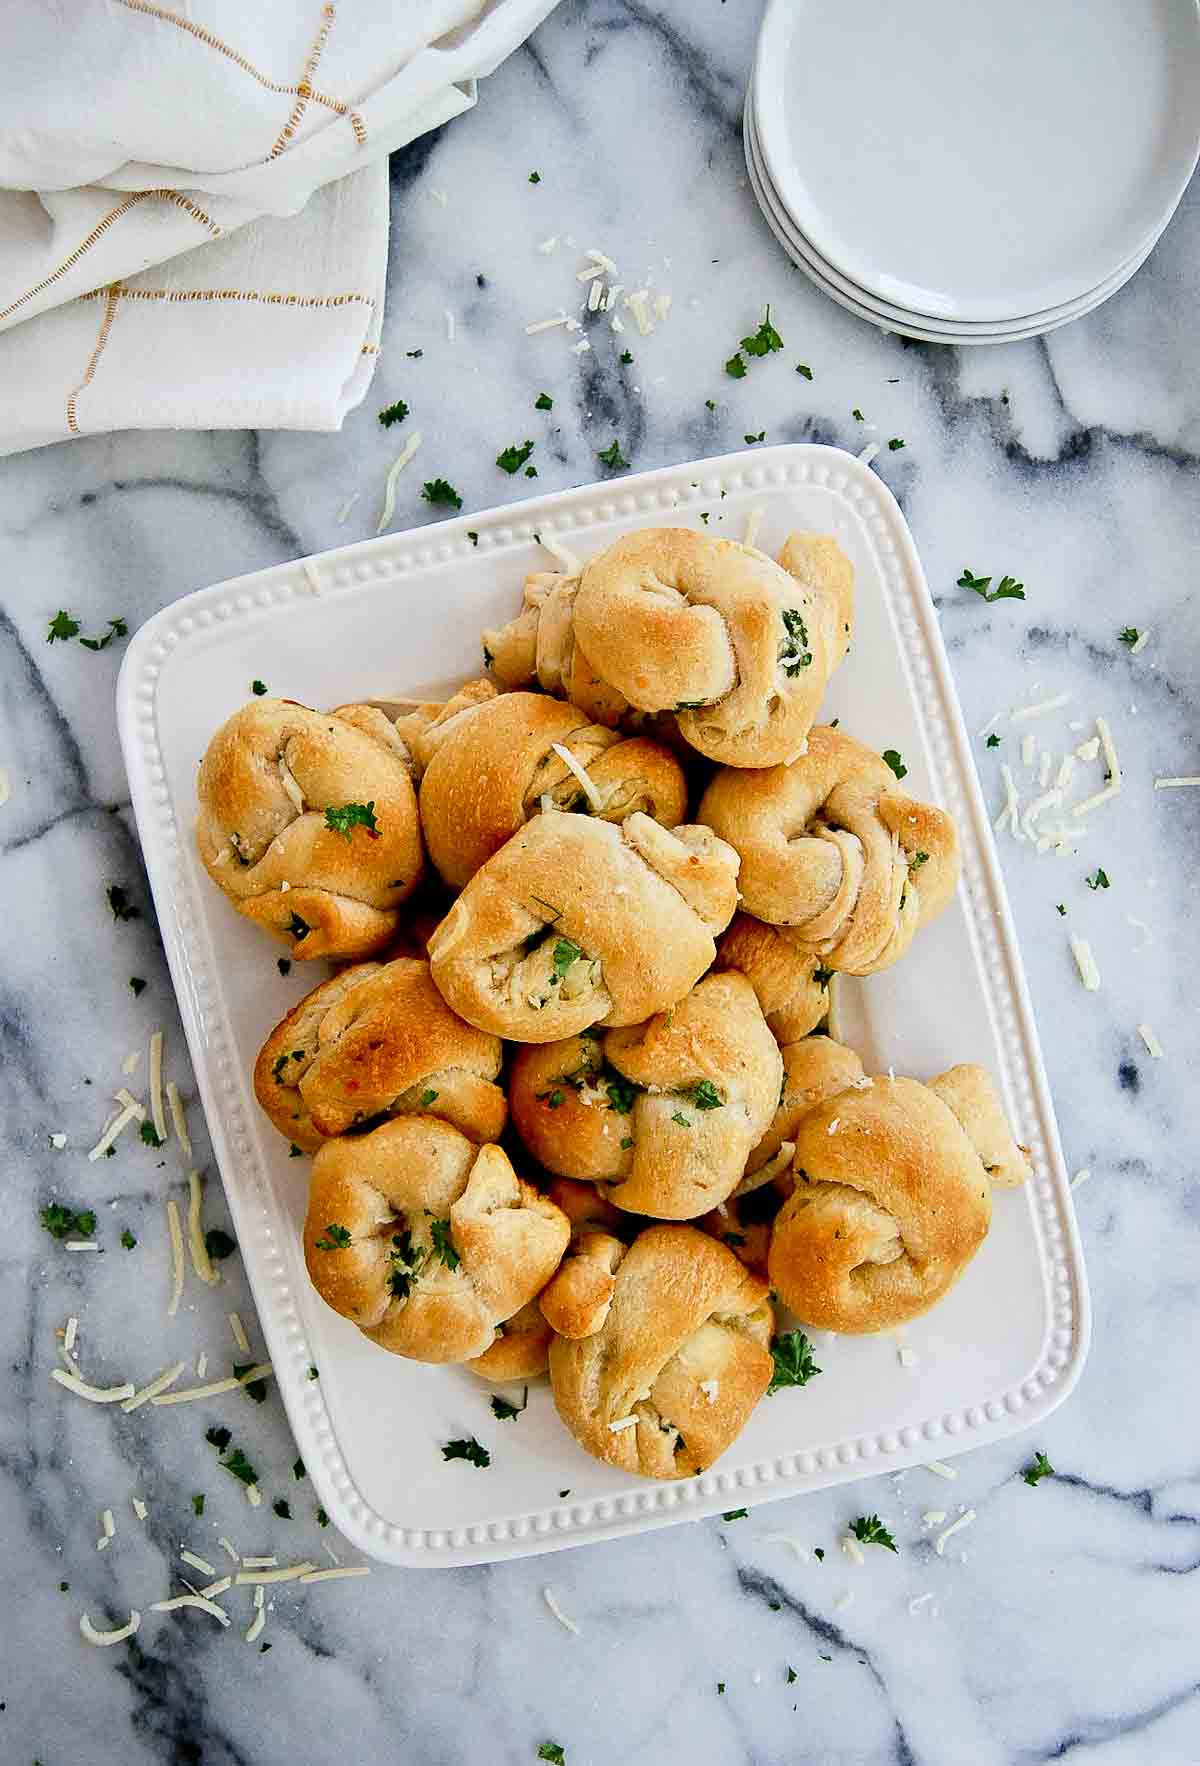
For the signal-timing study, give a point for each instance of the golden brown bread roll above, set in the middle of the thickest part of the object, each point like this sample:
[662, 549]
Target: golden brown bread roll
[815, 1068]
[425, 1241]
[273, 776]
[682, 1348]
[972, 1096]
[669, 620]
[790, 981]
[499, 761]
[575, 921]
[834, 850]
[891, 1202]
[663, 1114]
[521, 1350]
[378, 1040]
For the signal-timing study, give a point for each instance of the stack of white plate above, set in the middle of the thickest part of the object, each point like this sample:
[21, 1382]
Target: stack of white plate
[973, 171]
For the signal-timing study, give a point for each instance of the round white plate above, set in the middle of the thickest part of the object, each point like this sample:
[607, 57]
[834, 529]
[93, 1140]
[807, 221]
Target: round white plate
[967, 160]
[914, 325]
[890, 318]
[885, 310]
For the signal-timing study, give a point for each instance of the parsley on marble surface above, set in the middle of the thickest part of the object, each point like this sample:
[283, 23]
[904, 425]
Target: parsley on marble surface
[438, 491]
[1038, 1469]
[511, 459]
[393, 414]
[218, 1244]
[612, 456]
[118, 901]
[59, 1220]
[1007, 589]
[870, 1530]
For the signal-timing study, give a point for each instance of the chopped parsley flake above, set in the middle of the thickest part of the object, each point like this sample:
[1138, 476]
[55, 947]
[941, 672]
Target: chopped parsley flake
[118, 901]
[470, 1450]
[116, 629]
[198, 1505]
[322, 1518]
[735, 368]
[870, 1530]
[550, 1750]
[218, 1244]
[1039, 1469]
[735, 1514]
[337, 1238]
[298, 1471]
[1007, 589]
[622, 1093]
[283, 1508]
[543, 402]
[793, 1358]
[343, 818]
[750, 439]
[62, 627]
[555, 1099]
[298, 928]
[993, 740]
[127, 1239]
[59, 1221]
[791, 1676]
[804, 369]
[794, 652]
[150, 1135]
[917, 860]
[474, 539]
[823, 976]
[895, 444]
[239, 1466]
[1099, 881]
[137, 983]
[625, 358]
[612, 456]
[1062, 908]
[683, 1121]
[406, 1260]
[294, 1152]
[1129, 634]
[511, 459]
[705, 1095]
[414, 355]
[857, 415]
[437, 491]
[258, 688]
[393, 414]
[504, 1412]
[893, 759]
[257, 1389]
[764, 340]
[218, 1438]
[428, 1097]
[565, 953]
[535, 177]
[443, 1245]
[626, 1140]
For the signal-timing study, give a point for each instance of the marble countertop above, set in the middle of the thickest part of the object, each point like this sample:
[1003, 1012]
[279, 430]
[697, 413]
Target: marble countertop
[1062, 1626]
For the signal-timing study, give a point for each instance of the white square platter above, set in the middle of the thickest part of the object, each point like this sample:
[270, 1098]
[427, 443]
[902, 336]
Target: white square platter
[399, 617]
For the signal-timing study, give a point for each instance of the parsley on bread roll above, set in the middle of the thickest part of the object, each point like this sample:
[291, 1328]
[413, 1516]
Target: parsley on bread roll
[834, 850]
[662, 1114]
[425, 1241]
[378, 1040]
[577, 921]
[308, 822]
[892, 1199]
[676, 1357]
[499, 761]
[670, 620]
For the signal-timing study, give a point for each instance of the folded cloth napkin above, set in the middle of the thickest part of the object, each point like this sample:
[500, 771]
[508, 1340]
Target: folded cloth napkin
[194, 200]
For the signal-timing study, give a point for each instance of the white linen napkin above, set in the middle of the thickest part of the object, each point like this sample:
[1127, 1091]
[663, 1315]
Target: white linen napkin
[194, 200]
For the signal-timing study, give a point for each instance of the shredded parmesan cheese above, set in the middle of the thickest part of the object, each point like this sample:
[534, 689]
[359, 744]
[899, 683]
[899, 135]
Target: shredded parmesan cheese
[449, 317]
[710, 1388]
[129, 1102]
[201, 1364]
[933, 1517]
[1139, 643]
[1176, 784]
[753, 522]
[1028, 748]
[81, 1245]
[94, 1394]
[1012, 804]
[964, 1520]
[1088, 750]
[191, 1600]
[914, 1606]
[867, 454]
[103, 1638]
[213, 1589]
[256, 1624]
[593, 796]
[289, 1573]
[227, 1548]
[337, 1575]
[197, 1563]
[343, 514]
[254, 1495]
[569, 1624]
[548, 245]
[117, 1126]
[906, 1357]
[852, 1549]
[176, 1232]
[239, 1332]
[156, 1085]
[262, 1371]
[389, 490]
[1111, 762]
[1024, 712]
[158, 1384]
[625, 1422]
[259, 1563]
[69, 1333]
[1154, 1048]
[311, 575]
[139, 1509]
[563, 554]
[940, 1468]
[546, 325]
[201, 1261]
[1081, 1176]
[178, 1119]
[1085, 962]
